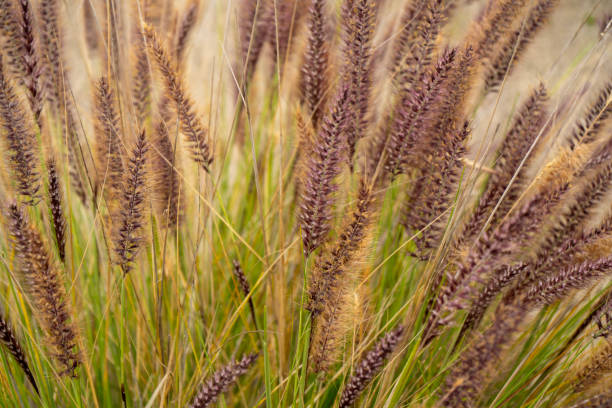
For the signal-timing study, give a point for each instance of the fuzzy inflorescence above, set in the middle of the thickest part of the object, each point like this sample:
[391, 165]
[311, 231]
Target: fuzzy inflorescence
[44, 285]
[369, 366]
[222, 380]
[19, 140]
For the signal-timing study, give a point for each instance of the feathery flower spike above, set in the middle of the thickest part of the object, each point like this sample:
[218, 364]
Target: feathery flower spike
[44, 286]
[132, 211]
[20, 140]
[322, 168]
[9, 340]
[57, 211]
[190, 123]
[222, 380]
[314, 68]
[369, 366]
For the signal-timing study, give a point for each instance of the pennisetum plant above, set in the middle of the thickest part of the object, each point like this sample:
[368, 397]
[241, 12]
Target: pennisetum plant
[418, 192]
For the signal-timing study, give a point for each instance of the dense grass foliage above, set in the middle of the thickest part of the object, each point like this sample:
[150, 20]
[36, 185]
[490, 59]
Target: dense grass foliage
[305, 203]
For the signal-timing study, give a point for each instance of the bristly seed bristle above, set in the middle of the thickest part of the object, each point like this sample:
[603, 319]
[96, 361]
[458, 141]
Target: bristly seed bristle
[167, 185]
[358, 30]
[333, 277]
[184, 29]
[57, 211]
[245, 287]
[141, 90]
[314, 68]
[322, 168]
[515, 44]
[109, 143]
[369, 366]
[129, 239]
[588, 127]
[20, 140]
[9, 340]
[190, 123]
[222, 380]
[44, 286]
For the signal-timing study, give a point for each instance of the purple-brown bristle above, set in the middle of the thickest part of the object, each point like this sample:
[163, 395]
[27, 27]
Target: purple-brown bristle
[488, 253]
[558, 284]
[519, 140]
[432, 197]
[412, 16]
[57, 211]
[359, 20]
[31, 76]
[9, 340]
[185, 28]
[514, 45]
[44, 286]
[11, 34]
[582, 208]
[129, 234]
[322, 168]
[588, 127]
[314, 70]
[245, 287]
[167, 183]
[190, 123]
[468, 377]
[284, 16]
[252, 33]
[19, 140]
[332, 278]
[109, 144]
[141, 90]
[496, 23]
[369, 366]
[222, 380]
[51, 42]
[411, 116]
[417, 47]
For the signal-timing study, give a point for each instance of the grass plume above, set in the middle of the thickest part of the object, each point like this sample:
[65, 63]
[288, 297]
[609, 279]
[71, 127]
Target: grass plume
[222, 380]
[9, 341]
[45, 288]
[129, 237]
[19, 140]
[190, 123]
[369, 366]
